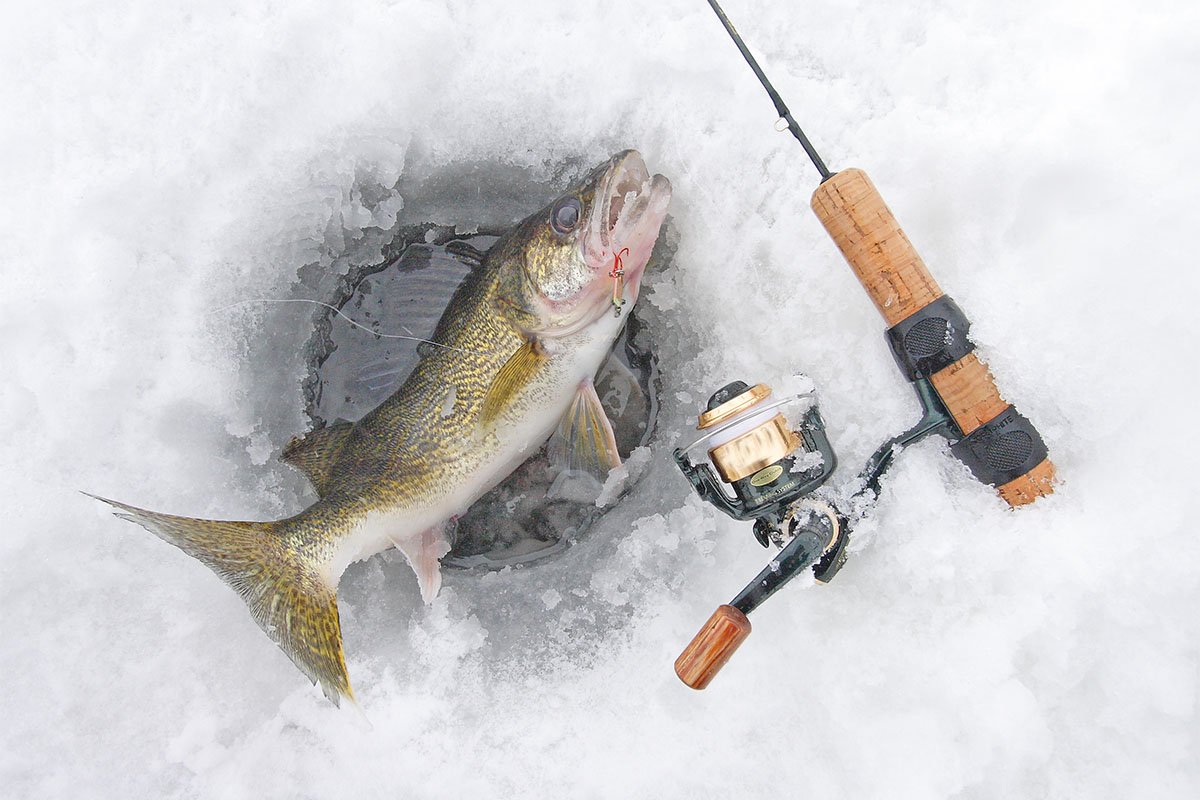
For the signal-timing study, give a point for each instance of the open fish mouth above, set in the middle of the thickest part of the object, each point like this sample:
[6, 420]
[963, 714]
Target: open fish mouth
[631, 206]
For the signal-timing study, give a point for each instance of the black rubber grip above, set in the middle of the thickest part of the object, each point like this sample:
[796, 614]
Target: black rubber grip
[1001, 450]
[931, 339]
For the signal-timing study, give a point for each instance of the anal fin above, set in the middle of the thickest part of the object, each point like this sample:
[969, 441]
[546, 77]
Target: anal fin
[423, 551]
[315, 453]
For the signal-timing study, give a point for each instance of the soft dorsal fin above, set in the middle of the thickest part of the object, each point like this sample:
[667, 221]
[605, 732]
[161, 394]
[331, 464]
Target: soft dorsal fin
[511, 378]
[314, 453]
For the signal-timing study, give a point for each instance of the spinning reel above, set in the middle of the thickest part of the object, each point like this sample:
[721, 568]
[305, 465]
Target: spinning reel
[758, 468]
[773, 472]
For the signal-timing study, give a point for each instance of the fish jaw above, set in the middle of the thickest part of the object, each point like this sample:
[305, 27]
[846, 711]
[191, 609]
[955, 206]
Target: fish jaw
[608, 251]
[626, 218]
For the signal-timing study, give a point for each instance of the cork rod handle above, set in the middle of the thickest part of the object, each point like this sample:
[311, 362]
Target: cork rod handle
[899, 283]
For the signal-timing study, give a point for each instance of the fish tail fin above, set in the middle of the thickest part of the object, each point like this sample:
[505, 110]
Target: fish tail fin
[290, 600]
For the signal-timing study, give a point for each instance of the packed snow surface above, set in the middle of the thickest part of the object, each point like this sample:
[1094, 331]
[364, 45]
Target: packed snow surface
[164, 162]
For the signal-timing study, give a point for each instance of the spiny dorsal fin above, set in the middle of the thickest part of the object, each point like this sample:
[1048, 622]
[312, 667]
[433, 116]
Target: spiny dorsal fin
[584, 441]
[511, 378]
[314, 453]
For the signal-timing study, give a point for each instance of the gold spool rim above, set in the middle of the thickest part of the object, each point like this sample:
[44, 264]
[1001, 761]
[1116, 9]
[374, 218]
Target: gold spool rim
[730, 408]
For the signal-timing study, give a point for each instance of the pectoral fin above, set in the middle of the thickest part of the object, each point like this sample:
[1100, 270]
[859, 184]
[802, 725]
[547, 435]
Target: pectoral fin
[511, 378]
[314, 454]
[584, 441]
[424, 551]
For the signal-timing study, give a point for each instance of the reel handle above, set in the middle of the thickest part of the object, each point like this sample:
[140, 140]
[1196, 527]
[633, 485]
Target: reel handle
[899, 283]
[712, 647]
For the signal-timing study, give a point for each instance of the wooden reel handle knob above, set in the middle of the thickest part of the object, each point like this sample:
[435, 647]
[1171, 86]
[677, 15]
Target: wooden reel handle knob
[712, 647]
[899, 283]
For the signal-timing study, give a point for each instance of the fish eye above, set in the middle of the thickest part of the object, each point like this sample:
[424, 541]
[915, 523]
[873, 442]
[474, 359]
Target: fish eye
[565, 214]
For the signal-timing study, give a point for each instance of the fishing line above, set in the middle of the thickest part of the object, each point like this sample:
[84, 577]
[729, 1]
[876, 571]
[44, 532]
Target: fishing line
[353, 322]
[781, 108]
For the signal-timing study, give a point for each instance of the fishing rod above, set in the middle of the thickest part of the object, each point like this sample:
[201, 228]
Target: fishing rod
[775, 469]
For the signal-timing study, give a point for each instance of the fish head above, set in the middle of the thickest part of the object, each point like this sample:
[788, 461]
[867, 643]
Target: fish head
[585, 253]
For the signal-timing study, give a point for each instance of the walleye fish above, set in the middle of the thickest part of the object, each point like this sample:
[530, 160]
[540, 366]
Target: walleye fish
[516, 351]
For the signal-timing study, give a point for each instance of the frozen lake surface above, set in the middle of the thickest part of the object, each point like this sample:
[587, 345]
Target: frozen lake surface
[161, 164]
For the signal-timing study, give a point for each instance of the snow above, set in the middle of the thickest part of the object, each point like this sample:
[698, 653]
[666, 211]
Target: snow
[161, 162]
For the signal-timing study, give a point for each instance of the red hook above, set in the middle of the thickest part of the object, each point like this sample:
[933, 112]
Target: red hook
[618, 268]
